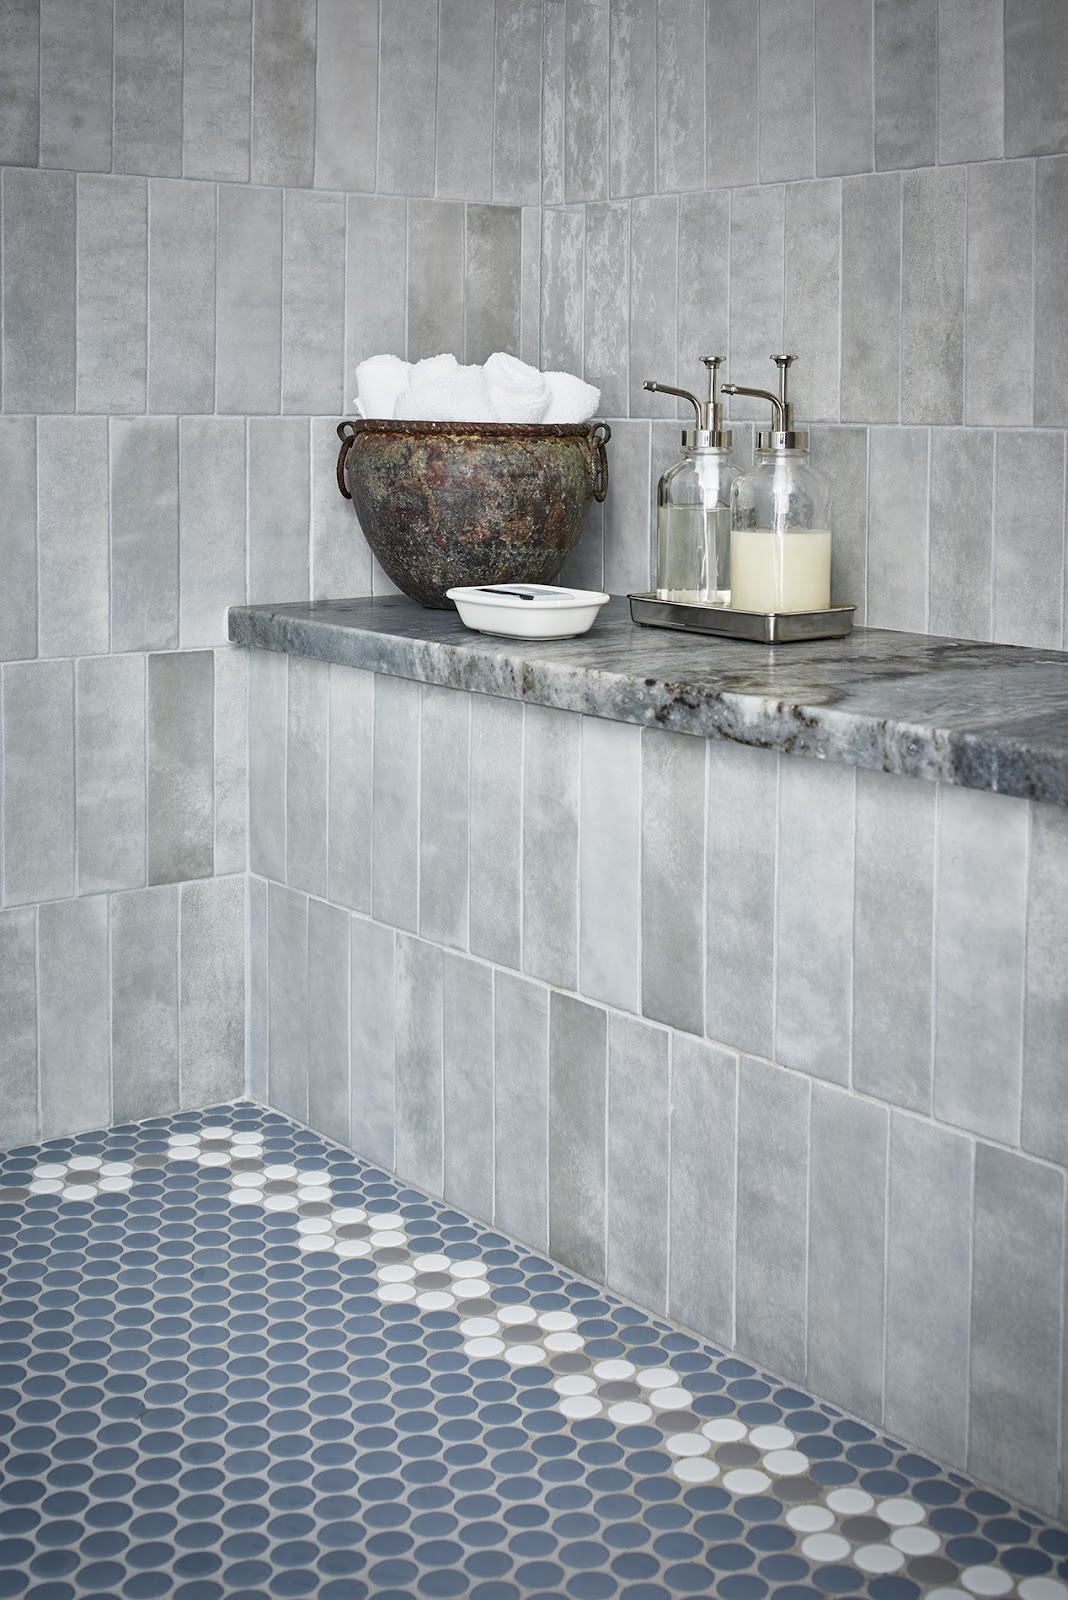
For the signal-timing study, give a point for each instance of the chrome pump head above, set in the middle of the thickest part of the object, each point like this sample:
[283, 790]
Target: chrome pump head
[783, 435]
[709, 433]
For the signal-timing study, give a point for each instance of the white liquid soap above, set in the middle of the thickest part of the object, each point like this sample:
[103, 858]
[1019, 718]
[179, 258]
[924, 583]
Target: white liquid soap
[780, 572]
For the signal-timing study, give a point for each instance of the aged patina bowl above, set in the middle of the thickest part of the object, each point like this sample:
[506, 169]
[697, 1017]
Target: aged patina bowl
[445, 505]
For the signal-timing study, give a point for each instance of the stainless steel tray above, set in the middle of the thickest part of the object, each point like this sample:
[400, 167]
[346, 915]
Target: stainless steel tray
[763, 627]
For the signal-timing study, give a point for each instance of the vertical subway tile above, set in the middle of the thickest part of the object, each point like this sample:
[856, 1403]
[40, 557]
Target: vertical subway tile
[435, 278]
[842, 453]
[283, 92]
[112, 315]
[845, 127]
[1036, 66]
[496, 829]
[420, 1131]
[772, 1216]
[871, 298]
[933, 247]
[18, 1019]
[1016, 1325]
[892, 979]
[704, 273]
[680, 95]
[249, 346]
[313, 302]
[468, 1084]
[20, 76]
[38, 742]
[231, 760]
[905, 71]
[217, 89]
[897, 528]
[287, 979]
[181, 296]
[609, 877]
[554, 50]
[562, 256]
[110, 765]
[492, 251]
[980, 924]
[144, 533]
[74, 1032]
[407, 95]
[307, 721]
[38, 290]
[517, 102]
[756, 290]
[445, 734]
[328, 1020]
[811, 314]
[464, 131]
[346, 94]
[673, 811]
[632, 97]
[962, 520]
[211, 525]
[373, 1016]
[340, 556]
[181, 769]
[654, 230]
[998, 310]
[929, 1265]
[1051, 293]
[18, 539]
[144, 1003]
[577, 1105]
[704, 1094]
[72, 536]
[787, 90]
[584, 567]
[1045, 1114]
[971, 72]
[258, 1002]
[638, 1161]
[550, 844]
[395, 833]
[530, 287]
[1029, 539]
[148, 87]
[740, 871]
[268, 681]
[521, 1107]
[732, 44]
[76, 84]
[376, 288]
[211, 1014]
[278, 509]
[586, 100]
[351, 720]
[846, 1249]
[814, 918]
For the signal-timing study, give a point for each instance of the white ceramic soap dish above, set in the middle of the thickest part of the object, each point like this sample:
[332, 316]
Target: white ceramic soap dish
[527, 610]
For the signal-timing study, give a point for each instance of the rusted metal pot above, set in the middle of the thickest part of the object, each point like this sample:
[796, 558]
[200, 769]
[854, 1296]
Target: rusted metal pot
[443, 504]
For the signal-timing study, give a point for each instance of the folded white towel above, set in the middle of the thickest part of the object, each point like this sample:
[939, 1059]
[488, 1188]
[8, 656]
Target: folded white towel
[519, 393]
[379, 380]
[432, 367]
[459, 395]
[570, 399]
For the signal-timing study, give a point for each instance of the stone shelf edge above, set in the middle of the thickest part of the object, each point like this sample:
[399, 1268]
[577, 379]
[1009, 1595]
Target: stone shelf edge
[956, 711]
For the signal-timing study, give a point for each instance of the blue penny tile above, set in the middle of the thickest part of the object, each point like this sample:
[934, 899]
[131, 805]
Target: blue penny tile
[837, 1579]
[1054, 1540]
[771, 1536]
[833, 1474]
[890, 1587]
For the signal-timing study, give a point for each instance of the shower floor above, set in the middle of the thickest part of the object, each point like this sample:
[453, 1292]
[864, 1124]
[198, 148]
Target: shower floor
[237, 1362]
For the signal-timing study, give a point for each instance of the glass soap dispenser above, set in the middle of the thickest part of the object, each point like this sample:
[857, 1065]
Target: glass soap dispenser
[693, 517]
[780, 517]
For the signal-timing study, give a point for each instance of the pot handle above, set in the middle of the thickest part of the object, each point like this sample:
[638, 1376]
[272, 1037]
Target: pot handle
[346, 432]
[600, 434]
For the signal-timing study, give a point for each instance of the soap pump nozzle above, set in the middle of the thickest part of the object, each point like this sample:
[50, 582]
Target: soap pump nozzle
[709, 433]
[783, 436]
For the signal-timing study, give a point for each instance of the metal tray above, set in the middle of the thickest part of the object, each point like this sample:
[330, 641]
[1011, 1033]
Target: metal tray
[763, 627]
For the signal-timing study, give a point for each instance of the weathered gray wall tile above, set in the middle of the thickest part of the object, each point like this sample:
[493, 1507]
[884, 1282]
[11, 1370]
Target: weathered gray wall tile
[733, 96]
[373, 1010]
[787, 90]
[871, 298]
[38, 290]
[811, 312]
[211, 525]
[586, 100]
[376, 289]
[673, 810]
[654, 232]
[212, 991]
[110, 765]
[464, 134]
[420, 1131]
[1051, 293]
[76, 84]
[249, 353]
[18, 539]
[38, 742]
[906, 88]
[632, 97]
[144, 533]
[74, 1030]
[279, 511]
[395, 861]
[704, 272]
[307, 756]
[609, 880]
[468, 1085]
[258, 1050]
[554, 51]
[756, 291]
[892, 977]
[407, 94]
[550, 844]
[20, 76]
[18, 1020]
[346, 94]
[313, 303]
[72, 537]
[814, 923]
[268, 680]
[704, 1094]
[933, 247]
[287, 978]
[1045, 1111]
[148, 87]
[1016, 1317]
[740, 950]
[897, 528]
[435, 278]
[144, 1003]
[980, 922]
[1029, 539]
[496, 829]
[845, 115]
[971, 69]
[680, 95]
[340, 555]
[962, 518]
[351, 720]
[577, 1105]
[1036, 67]
[112, 312]
[521, 1107]
[493, 246]
[181, 767]
[329, 1091]
[929, 1265]
[530, 287]
[998, 310]
[217, 89]
[638, 1161]
[562, 254]
[517, 102]
[445, 733]
[231, 760]
[283, 92]
[181, 296]
[584, 567]
[842, 453]
[772, 1216]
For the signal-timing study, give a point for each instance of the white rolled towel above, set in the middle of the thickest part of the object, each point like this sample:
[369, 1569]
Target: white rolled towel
[431, 367]
[519, 393]
[379, 380]
[459, 395]
[570, 399]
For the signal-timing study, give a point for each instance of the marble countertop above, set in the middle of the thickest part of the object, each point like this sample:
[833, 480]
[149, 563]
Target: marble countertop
[981, 716]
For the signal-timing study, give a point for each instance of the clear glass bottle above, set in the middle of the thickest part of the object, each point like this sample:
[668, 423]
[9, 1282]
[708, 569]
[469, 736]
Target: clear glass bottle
[780, 517]
[693, 506]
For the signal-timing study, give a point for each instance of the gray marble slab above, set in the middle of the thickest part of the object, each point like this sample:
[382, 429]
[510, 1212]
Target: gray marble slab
[979, 716]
